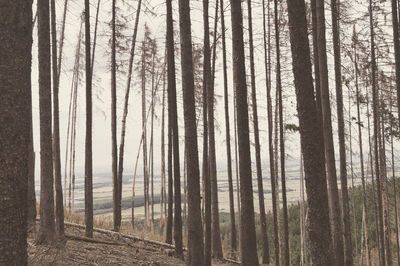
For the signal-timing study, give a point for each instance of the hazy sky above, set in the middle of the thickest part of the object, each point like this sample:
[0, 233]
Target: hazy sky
[102, 87]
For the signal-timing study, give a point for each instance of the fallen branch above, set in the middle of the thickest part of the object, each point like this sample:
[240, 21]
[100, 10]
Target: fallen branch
[92, 240]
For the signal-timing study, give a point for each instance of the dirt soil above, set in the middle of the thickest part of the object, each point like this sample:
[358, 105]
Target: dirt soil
[111, 250]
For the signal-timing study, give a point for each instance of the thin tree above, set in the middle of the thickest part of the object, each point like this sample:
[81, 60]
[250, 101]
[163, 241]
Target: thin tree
[228, 137]
[195, 231]
[162, 213]
[206, 172]
[56, 127]
[46, 233]
[267, 62]
[126, 104]
[114, 158]
[396, 47]
[363, 183]
[263, 222]
[15, 105]
[88, 140]
[282, 141]
[375, 136]
[248, 235]
[336, 220]
[311, 137]
[215, 232]
[348, 250]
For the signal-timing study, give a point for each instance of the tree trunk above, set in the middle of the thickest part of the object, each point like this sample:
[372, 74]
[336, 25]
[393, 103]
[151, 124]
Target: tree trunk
[162, 213]
[282, 141]
[376, 133]
[263, 222]
[396, 47]
[215, 232]
[88, 141]
[114, 151]
[195, 231]
[348, 250]
[56, 127]
[206, 172]
[95, 35]
[126, 104]
[228, 138]
[267, 47]
[47, 226]
[311, 137]
[364, 195]
[247, 227]
[333, 193]
[15, 106]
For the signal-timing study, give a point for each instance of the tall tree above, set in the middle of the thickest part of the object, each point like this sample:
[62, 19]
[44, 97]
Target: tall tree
[267, 62]
[215, 232]
[114, 158]
[247, 227]
[206, 171]
[195, 231]
[56, 126]
[311, 137]
[333, 193]
[363, 183]
[15, 105]
[396, 47]
[281, 139]
[375, 136]
[348, 250]
[88, 140]
[263, 222]
[126, 104]
[47, 226]
[175, 134]
[228, 136]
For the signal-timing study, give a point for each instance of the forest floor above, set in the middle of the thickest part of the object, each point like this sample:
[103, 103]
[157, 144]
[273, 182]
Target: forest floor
[107, 249]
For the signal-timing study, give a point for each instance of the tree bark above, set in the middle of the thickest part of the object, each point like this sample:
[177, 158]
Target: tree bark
[282, 142]
[396, 47]
[56, 127]
[195, 231]
[88, 141]
[311, 137]
[206, 170]
[247, 227]
[228, 138]
[376, 133]
[263, 222]
[126, 104]
[15, 116]
[46, 233]
[333, 193]
[348, 250]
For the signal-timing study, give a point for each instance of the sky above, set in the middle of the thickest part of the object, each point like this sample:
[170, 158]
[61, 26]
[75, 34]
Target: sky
[154, 17]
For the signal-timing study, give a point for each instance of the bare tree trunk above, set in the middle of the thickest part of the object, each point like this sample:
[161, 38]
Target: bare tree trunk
[88, 141]
[376, 133]
[46, 233]
[215, 232]
[56, 127]
[247, 227]
[162, 213]
[228, 138]
[126, 104]
[396, 47]
[195, 231]
[282, 141]
[95, 34]
[263, 222]
[16, 141]
[337, 232]
[275, 202]
[348, 250]
[364, 194]
[311, 137]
